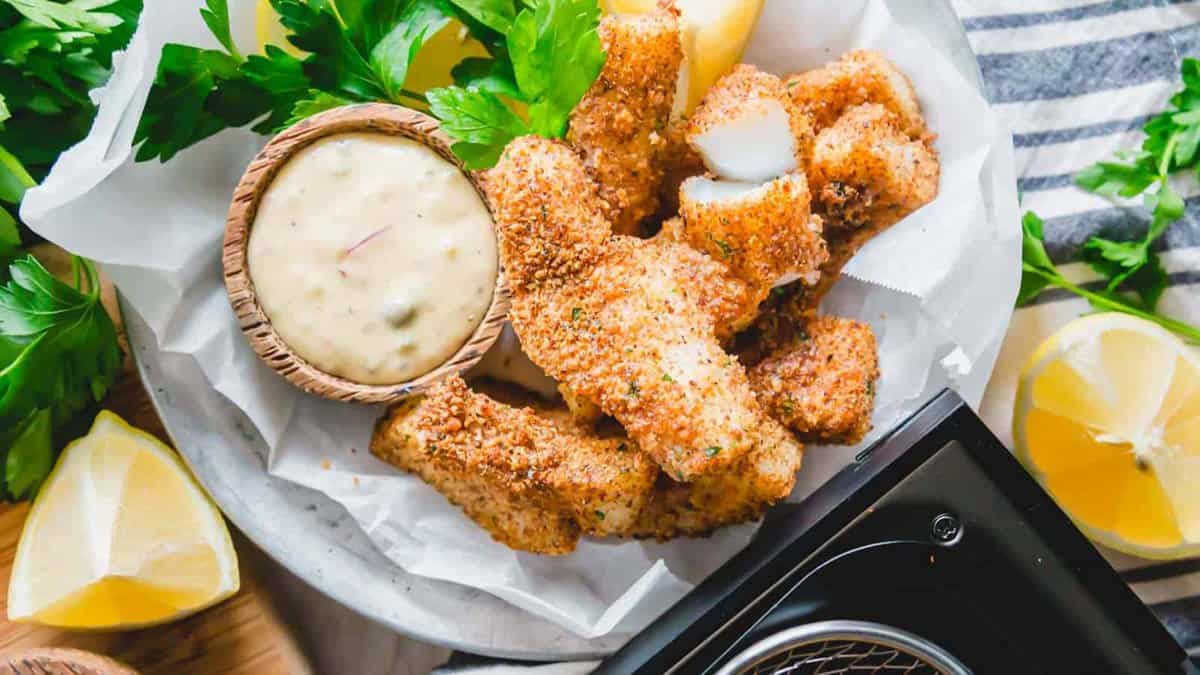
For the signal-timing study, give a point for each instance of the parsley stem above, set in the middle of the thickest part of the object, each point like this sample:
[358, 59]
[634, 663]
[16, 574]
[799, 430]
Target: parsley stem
[1189, 332]
[1164, 164]
[416, 96]
[337, 15]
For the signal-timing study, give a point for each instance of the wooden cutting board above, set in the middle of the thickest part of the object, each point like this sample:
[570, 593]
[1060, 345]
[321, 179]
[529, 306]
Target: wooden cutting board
[241, 636]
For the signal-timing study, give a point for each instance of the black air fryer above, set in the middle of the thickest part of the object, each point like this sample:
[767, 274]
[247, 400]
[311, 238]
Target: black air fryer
[935, 552]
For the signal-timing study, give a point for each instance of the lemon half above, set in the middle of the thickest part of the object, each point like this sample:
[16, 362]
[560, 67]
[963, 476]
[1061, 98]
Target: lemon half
[120, 536]
[715, 35]
[1107, 418]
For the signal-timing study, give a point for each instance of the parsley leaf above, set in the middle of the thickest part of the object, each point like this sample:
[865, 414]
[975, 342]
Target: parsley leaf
[58, 357]
[216, 17]
[1113, 179]
[29, 456]
[355, 51]
[495, 14]
[318, 102]
[481, 123]
[546, 54]
[393, 55]
[59, 16]
[1172, 144]
[1040, 273]
[1035, 262]
[492, 75]
[554, 56]
[51, 54]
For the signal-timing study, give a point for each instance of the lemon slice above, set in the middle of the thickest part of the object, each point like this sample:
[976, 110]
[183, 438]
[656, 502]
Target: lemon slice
[1108, 420]
[715, 35]
[120, 536]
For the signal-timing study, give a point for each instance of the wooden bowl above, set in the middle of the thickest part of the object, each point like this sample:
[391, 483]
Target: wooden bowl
[61, 661]
[368, 117]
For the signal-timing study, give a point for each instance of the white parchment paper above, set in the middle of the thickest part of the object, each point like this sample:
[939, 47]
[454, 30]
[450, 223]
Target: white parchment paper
[937, 288]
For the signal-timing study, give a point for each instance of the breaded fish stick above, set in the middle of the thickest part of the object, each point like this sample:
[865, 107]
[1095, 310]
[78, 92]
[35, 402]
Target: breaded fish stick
[748, 129]
[742, 494]
[765, 233]
[865, 170]
[527, 480]
[821, 383]
[620, 125]
[862, 76]
[619, 320]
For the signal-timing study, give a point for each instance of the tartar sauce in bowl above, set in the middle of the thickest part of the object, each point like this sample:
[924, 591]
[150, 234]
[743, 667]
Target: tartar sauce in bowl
[373, 257]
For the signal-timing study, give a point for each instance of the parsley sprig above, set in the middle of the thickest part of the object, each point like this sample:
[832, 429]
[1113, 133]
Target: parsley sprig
[51, 54]
[1171, 145]
[554, 57]
[1136, 279]
[58, 357]
[542, 56]
[1039, 273]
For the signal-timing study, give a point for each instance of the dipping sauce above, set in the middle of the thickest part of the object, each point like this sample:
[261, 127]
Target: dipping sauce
[374, 257]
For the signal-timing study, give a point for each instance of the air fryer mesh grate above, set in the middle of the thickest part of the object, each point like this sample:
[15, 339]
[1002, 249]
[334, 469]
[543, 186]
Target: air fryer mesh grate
[835, 657]
[844, 647]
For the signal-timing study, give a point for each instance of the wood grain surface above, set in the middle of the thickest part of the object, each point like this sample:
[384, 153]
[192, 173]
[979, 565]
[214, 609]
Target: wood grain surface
[241, 636]
[367, 117]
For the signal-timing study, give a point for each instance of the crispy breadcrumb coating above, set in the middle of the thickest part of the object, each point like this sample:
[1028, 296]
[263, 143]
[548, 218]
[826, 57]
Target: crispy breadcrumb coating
[742, 494]
[532, 484]
[680, 162]
[866, 170]
[748, 129]
[862, 76]
[583, 411]
[821, 384]
[764, 234]
[620, 125]
[621, 321]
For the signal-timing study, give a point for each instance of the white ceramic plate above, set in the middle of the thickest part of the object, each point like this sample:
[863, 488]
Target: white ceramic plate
[317, 540]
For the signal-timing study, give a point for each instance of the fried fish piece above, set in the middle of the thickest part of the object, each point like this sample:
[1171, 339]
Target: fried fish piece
[765, 234]
[742, 494]
[747, 129]
[821, 382]
[862, 76]
[620, 125]
[531, 482]
[865, 170]
[680, 162]
[621, 321]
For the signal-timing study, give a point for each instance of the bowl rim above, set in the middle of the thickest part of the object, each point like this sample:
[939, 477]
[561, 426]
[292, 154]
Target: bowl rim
[381, 118]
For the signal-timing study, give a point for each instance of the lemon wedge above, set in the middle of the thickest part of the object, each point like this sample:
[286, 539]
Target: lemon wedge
[715, 35]
[1107, 418]
[120, 536]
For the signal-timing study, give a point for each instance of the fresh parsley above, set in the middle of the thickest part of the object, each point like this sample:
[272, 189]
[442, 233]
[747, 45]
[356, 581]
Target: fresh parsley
[58, 348]
[1170, 147]
[1136, 279]
[1039, 273]
[541, 55]
[51, 54]
[58, 357]
[554, 55]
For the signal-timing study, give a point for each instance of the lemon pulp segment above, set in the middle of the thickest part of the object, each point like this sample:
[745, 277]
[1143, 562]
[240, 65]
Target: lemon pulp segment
[1108, 419]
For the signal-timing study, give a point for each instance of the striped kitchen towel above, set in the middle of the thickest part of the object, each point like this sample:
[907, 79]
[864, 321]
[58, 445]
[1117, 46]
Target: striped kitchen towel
[1075, 80]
